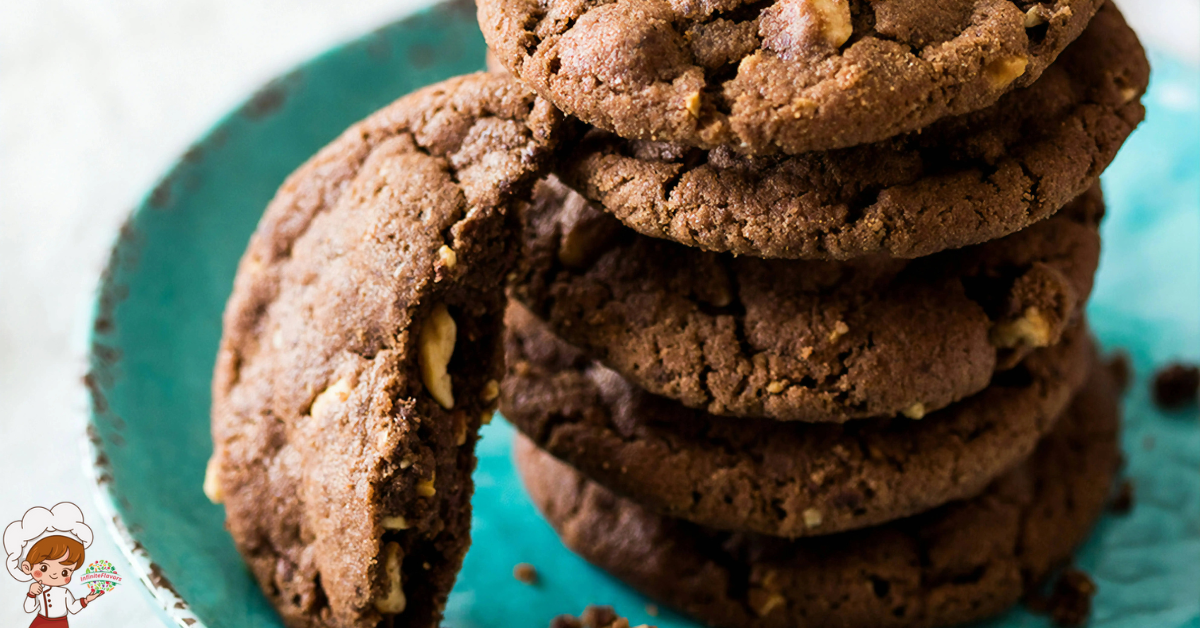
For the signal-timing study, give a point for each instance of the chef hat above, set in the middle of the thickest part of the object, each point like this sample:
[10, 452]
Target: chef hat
[64, 519]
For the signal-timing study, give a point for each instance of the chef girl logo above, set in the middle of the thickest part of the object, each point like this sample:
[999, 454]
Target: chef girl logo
[100, 576]
[45, 548]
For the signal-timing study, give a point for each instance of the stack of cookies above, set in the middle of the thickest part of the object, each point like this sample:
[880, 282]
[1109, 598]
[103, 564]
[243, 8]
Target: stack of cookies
[798, 335]
[793, 330]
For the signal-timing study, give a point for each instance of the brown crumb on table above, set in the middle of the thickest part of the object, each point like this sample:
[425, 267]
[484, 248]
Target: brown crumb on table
[525, 573]
[1070, 602]
[1121, 369]
[1122, 503]
[593, 617]
[1176, 386]
[652, 610]
[601, 617]
[566, 621]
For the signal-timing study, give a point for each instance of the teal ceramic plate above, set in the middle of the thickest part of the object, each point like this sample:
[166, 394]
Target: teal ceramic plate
[157, 324]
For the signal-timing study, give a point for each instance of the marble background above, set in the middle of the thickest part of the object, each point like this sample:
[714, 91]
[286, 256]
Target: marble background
[96, 100]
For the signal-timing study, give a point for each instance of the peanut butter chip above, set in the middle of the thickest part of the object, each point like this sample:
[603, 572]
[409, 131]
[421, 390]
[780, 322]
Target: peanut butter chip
[1031, 330]
[394, 523]
[1034, 17]
[425, 487]
[812, 518]
[212, 485]
[839, 329]
[693, 105]
[491, 390]
[330, 399]
[438, 335]
[447, 257]
[460, 428]
[1001, 72]
[915, 411]
[582, 241]
[835, 20]
[395, 602]
[764, 602]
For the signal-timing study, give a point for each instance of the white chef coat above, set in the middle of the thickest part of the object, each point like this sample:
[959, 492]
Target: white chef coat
[53, 602]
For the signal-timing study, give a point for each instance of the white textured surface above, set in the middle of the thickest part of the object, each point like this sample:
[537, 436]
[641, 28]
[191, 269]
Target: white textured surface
[96, 99]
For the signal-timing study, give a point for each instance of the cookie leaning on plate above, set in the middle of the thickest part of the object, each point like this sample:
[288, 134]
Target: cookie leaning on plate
[781, 75]
[804, 340]
[783, 479]
[360, 354]
[960, 181]
[963, 562]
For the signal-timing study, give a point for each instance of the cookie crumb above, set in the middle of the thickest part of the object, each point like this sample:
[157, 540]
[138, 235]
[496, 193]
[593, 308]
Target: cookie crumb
[652, 610]
[1122, 503]
[525, 572]
[593, 617]
[1176, 386]
[599, 617]
[1121, 369]
[565, 621]
[1070, 602]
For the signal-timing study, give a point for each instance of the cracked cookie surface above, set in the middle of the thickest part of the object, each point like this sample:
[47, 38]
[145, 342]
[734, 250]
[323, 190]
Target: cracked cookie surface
[359, 342]
[962, 562]
[776, 75]
[803, 340]
[958, 182]
[783, 479]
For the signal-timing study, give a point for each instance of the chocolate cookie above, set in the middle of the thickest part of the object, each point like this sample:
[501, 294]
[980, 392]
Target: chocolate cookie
[961, 181]
[963, 562]
[804, 340]
[776, 75]
[783, 479]
[361, 352]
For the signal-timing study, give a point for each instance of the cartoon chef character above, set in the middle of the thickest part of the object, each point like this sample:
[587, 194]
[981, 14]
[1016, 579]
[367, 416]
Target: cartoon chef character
[47, 546]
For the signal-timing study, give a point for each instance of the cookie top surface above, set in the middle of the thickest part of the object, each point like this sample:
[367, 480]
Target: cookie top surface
[803, 340]
[777, 75]
[962, 562]
[363, 328]
[961, 181]
[783, 479]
